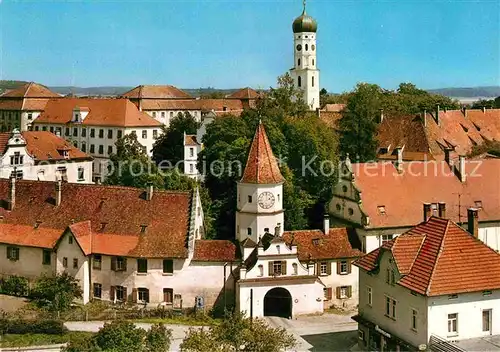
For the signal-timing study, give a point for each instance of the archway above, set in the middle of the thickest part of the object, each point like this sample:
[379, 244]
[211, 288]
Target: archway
[278, 302]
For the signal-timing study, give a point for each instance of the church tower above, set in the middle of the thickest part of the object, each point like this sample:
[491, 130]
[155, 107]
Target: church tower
[260, 192]
[305, 73]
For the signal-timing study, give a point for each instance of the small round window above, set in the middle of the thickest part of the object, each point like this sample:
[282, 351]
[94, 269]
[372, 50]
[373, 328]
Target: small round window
[344, 188]
[337, 207]
[351, 211]
[313, 47]
[299, 47]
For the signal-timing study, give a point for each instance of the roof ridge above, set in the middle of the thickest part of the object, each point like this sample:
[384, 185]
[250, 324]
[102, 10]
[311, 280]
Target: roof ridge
[438, 255]
[424, 236]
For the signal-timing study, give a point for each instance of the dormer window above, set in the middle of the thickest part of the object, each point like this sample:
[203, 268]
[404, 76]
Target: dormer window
[143, 228]
[16, 159]
[37, 224]
[381, 209]
[103, 226]
[478, 204]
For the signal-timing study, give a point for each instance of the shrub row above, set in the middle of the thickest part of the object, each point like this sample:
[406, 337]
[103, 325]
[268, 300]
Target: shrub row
[20, 326]
[14, 286]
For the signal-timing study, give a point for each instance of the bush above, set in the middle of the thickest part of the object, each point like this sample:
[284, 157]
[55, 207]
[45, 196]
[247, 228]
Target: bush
[20, 326]
[15, 286]
[55, 294]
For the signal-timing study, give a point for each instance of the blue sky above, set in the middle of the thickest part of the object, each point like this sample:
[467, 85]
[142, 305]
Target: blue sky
[228, 44]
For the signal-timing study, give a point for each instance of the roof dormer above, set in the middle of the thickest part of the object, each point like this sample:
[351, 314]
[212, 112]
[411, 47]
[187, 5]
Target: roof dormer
[79, 114]
[16, 139]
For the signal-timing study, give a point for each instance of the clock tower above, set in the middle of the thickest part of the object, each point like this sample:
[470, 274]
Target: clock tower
[305, 73]
[260, 192]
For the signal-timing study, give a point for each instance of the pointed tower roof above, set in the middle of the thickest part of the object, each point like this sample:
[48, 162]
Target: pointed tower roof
[261, 167]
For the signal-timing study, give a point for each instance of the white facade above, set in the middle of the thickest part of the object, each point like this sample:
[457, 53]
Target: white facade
[166, 116]
[305, 73]
[191, 150]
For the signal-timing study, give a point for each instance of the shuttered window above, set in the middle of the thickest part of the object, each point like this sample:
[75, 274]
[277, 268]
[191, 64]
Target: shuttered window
[168, 295]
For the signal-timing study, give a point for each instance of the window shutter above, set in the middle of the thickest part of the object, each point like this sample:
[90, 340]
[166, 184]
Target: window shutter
[113, 263]
[271, 269]
[283, 267]
[112, 293]
[134, 295]
[329, 268]
[349, 269]
[329, 293]
[124, 264]
[349, 291]
[125, 297]
[338, 292]
[338, 267]
[318, 269]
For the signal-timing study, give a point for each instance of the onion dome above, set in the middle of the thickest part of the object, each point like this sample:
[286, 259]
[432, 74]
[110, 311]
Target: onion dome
[304, 23]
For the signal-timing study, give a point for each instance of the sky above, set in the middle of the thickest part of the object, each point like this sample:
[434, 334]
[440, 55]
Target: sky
[230, 44]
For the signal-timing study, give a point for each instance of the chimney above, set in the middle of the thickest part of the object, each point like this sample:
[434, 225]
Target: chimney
[277, 230]
[442, 210]
[465, 111]
[381, 115]
[326, 224]
[437, 114]
[427, 211]
[461, 168]
[12, 192]
[149, 191]
[58, 193]
[473, 222]
[399, 161]
[484, 109]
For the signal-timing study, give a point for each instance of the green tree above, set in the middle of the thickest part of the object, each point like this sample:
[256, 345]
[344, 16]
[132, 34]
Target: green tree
[237, 333]
[358, 125]
[488, 104]
[158, 338]
[169, 147]
[56, 293]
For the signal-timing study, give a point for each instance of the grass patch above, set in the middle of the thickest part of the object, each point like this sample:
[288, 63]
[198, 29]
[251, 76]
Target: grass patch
[14, 340]
[181, 320]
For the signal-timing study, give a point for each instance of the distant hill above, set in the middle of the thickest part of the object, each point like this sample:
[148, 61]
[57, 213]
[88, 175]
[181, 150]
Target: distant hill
[93, 91]
[8, 85]
[475, 92]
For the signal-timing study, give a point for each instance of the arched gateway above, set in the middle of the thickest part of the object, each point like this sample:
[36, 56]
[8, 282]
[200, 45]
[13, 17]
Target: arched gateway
[278, 302]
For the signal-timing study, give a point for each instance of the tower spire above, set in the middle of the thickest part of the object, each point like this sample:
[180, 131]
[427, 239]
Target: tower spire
[304, 4]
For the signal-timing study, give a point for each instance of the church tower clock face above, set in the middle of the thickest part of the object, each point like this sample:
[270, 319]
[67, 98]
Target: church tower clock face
[266, 200]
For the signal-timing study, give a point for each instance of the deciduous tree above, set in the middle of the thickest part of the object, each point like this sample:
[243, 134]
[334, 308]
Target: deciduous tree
[56, 293]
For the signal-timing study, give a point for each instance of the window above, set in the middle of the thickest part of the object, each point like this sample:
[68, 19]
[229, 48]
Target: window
[344, 267]
[191, 168]
[118, 264]
[75, 263]
[37, 128]
[390, 277]
[487, 320]
[343, 292]
[307, 47]
[51, 129]
[191, 152]
[142, 266]
[13, 253]
[249, 199]
[84, 132]
[101, 149]
[295, 269]
[97, 262]
[249, 231]
[414, 317]
[171, 114]
[154, 114]
[101, 133]
[81, 174]
[110, 134]
[30, 116]
[381, 209]
[17, 174]
[110, 149]
[70, 239]
[65, 262]
[163, 114]
[46, 257]
[486, 293]
[44, 128]
[144, 134]
[390, 307]
[369, 295]
[452, 324]
[84, 147]
[261, 270]
[119, 134]
[67, 133]
[453, 296]
[350, 211]
[168, 266]
[312, 81]
[92, 149]
[387, 238]
[323, 268]
[313, 62]
[97, 290]
[92, 133]
[434, 209]
[299, 83]
[298, 62]
[143, 294]
[327, 293]
[16, 159]
[120, 293]
[277, 267]
[478, 204]
[168, 295]
[155, 134]
[75, 131]
[361, 335]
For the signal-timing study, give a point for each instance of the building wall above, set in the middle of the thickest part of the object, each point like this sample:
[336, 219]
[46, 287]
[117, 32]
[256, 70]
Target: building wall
[406, 301]
[27, 118]
[29, 265]
[10, 119]
[469, 307]
[490, 235]
[166, 116]
[335, 279]
[190, 168]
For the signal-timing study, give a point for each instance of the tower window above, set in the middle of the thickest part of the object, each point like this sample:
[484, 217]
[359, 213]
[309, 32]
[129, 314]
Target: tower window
[300, 82]
[313, 62]
[298, 62]
[313, 81]
[249, 231]
[249, 199]
[307, 47]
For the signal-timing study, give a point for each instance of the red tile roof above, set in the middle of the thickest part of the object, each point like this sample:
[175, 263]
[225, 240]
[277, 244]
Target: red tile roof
[45, 146]
[11, 104]
[245, 93]
[217, 105]
[261, 166]
[102, 112]
[117, 212]
[314, 244]
[403, 131]
[83, 235]
[402, 194]
[30, 90]
[156, 92]
[215, 251]
[330, 118]
[28, 235]
[440, 258]
[190, 139]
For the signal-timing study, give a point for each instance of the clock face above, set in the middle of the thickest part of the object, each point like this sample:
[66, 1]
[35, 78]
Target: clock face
[299, 47]
[266, 200]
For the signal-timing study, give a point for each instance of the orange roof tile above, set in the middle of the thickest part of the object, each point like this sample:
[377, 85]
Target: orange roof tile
[330, 118]
[28, 235]
[83, 235]
[440, 258]
[245, 93]
[11, 104]
[156, 92]
[30, 90]
[314, 244]
[215, 251]
[190, 139]
[102, 112]
[403, 131]
[261, 166]
[218, 105]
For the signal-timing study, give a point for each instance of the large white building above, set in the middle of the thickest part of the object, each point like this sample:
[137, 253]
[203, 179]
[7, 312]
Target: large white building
[42, 155]
[94, 126]
[431, 286]
[305, 72]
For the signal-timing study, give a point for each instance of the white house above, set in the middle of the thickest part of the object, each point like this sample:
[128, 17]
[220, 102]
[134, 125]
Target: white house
[383, 199]
[192, 147]
[436, 283]
[94, 126]
[42, 155]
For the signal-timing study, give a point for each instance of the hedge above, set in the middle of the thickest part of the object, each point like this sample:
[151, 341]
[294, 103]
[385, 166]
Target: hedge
[20, 326]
